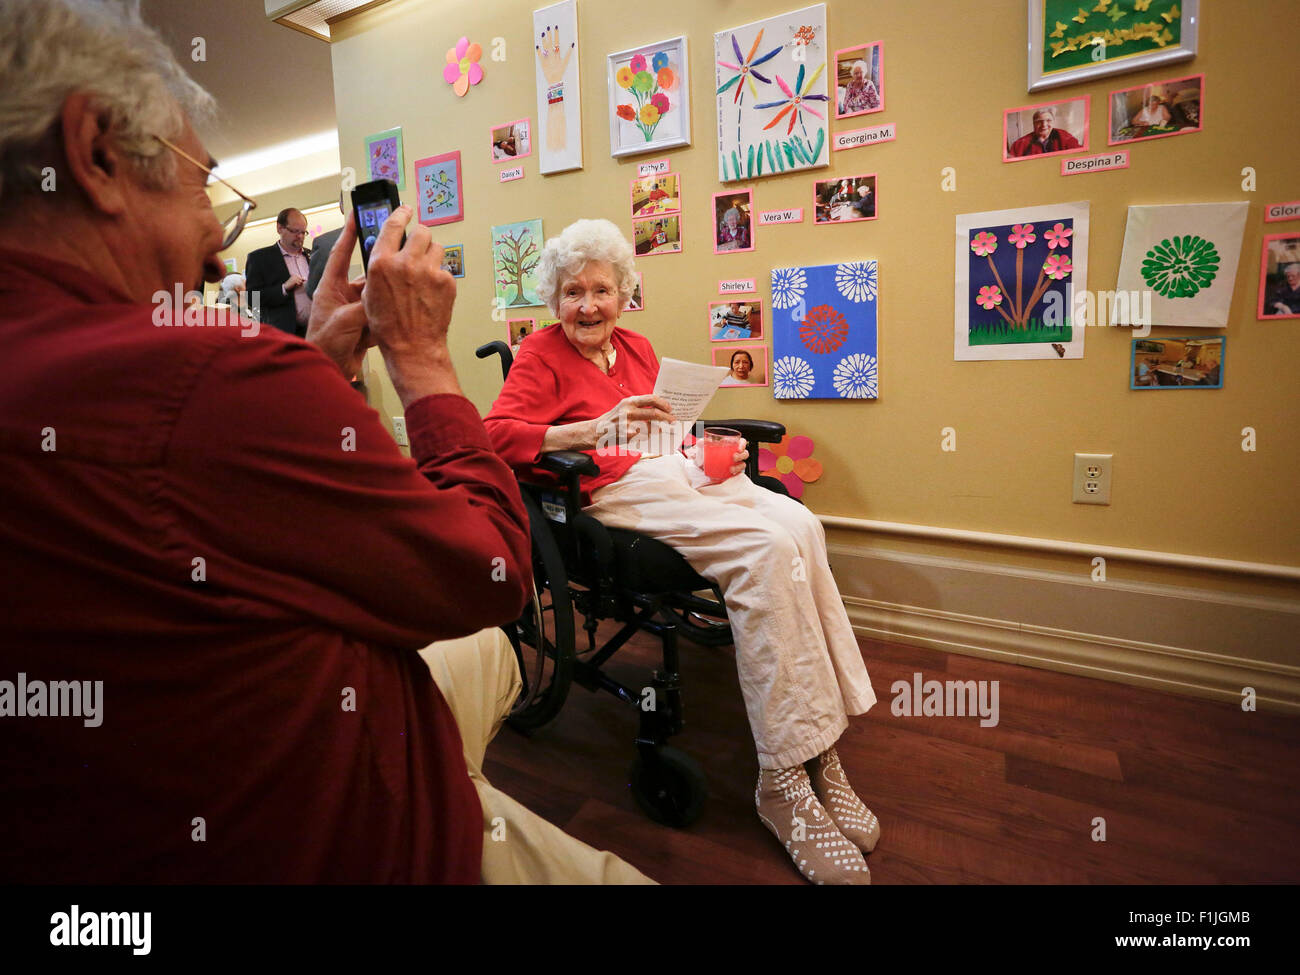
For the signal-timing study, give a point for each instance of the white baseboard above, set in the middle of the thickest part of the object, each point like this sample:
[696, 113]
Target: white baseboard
[1189, 641]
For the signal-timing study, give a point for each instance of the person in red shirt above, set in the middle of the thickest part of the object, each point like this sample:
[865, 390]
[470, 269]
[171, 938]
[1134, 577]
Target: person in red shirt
[214, 608]
[584, 385]
[1045, 139]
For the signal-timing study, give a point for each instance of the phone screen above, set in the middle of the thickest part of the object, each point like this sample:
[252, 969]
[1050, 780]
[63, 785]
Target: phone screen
[371, 217]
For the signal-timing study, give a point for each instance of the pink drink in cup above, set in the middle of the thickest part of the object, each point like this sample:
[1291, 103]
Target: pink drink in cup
[716, 452]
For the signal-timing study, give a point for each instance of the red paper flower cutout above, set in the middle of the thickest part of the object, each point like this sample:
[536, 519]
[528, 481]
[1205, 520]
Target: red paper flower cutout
[823, 330]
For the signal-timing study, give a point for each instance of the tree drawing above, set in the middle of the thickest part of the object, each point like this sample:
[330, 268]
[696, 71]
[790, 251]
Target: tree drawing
[517, 255]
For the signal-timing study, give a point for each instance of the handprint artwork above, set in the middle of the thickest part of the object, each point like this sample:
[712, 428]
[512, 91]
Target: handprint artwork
[559, 105]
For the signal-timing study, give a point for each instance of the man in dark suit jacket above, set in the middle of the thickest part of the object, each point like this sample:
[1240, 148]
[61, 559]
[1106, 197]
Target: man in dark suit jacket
[278, 273]
[322, 246]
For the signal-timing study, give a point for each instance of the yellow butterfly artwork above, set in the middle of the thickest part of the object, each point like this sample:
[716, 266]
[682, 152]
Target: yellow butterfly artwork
[1057, 48]
[1060, 30]
[1101, 6]
[1141, 5]
[1170, 14]
[1081, 16]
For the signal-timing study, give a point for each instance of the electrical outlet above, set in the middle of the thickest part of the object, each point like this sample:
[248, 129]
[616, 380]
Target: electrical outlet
[1092, 478]
[399, 431]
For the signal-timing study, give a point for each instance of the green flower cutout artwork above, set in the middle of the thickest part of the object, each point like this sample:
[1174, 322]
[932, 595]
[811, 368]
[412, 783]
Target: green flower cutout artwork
[1179, 267]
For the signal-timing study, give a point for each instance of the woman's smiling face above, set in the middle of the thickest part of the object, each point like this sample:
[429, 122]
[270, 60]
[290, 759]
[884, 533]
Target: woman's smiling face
[590, 307]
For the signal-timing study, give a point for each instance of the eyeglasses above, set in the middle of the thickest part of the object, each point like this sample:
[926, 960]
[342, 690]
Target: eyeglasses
[234, 224]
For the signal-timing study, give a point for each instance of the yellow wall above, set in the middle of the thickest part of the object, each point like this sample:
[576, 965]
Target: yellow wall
[950, 69]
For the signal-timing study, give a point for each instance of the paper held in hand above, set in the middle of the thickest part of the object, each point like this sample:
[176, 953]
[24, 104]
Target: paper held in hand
[688, 387]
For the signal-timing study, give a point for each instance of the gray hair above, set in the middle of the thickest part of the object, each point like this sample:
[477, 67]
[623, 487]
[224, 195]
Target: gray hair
[53, 48]
[1048, 110]
[580, 242]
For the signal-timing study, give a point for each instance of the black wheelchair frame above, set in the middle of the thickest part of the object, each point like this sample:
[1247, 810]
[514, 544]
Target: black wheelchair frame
[609, 573]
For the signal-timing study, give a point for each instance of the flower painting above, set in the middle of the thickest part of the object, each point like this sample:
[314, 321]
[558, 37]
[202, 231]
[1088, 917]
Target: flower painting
[649, 101]
[384, 157]
[1017, 275]
[438, 189]
[771, 90]
[1184, 256]
[824, 331]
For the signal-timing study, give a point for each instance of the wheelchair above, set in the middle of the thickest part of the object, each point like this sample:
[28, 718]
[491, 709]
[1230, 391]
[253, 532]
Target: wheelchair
[602, 573]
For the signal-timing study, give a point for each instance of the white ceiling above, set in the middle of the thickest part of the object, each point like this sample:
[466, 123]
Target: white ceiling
[272, 84]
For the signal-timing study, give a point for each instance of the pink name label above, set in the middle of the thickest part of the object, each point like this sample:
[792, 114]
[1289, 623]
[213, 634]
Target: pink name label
[865, 137]
[1282, 211]
[736, 286]
[768, 217]
[1095, 164]
[653, 168]
[514, 172]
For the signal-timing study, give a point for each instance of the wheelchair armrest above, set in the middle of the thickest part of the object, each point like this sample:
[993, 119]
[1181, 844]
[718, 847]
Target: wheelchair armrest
[755, 431]
[497, 348]
[568, 462]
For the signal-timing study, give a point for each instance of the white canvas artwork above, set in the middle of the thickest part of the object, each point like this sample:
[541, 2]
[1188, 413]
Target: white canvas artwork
[772, 96]
[1185, 256]
[559, 101]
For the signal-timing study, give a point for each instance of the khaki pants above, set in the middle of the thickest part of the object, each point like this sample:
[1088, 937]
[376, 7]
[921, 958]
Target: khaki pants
[479, 678]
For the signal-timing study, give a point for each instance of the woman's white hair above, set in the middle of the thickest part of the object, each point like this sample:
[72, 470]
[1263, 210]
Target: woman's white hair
[580, 242]
[52, 48]
[859, 65]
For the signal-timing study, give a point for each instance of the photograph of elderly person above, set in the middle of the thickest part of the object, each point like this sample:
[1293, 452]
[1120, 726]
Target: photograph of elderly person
[747, 365]
[511, 141]
[845, 200]
[322, 570]
[858, 85]
[1044, 130]
[1151, 111]
[734, 320]
[1282, 286]
[577, 387]
[731, 215]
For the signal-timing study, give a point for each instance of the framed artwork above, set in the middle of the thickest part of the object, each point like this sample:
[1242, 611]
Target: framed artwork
[845, 200]
[453, 260]
[512, 140]
[824, 331]
[746, 364]
[637, 301]
[1018, 272]
[733, 221]
[736, 321]
[438, 189]
[1071, 41]
[516, 249]
[1048, 129]
[1279, 277]
[859, 82]
[1185, 256]
[658, 235]
[649, 98]
[1182, 363]
[781, 126]
[559, 97]
[655, 195]
[1155, 111]
[384, 156]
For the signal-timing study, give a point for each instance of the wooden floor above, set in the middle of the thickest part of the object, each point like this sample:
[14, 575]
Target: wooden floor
[1190, 791]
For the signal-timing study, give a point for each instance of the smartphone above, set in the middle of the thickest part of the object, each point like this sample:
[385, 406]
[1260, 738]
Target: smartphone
[372, 203]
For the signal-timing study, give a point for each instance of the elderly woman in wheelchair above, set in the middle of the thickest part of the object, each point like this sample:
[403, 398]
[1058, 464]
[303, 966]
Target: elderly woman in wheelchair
[577, 386]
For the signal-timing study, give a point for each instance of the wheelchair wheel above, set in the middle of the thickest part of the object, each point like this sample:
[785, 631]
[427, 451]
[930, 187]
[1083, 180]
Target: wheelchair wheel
[543, 638]
[669, 787]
